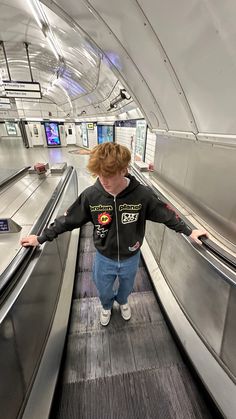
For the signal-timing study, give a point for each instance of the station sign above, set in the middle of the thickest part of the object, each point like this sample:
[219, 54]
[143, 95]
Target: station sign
[4, 228]
[21, 94]
[90, 125]
[28, 90]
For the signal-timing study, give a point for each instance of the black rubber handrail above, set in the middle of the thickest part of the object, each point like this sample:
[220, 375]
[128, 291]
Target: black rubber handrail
[220, 253]
[11, 178]
[14, 269]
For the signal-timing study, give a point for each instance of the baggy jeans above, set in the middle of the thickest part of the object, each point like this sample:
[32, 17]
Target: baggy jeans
[105, 272]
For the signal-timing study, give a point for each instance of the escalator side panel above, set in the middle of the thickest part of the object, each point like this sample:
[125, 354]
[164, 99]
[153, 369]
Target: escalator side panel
[228, 352]
[24, 330]
[199, 288]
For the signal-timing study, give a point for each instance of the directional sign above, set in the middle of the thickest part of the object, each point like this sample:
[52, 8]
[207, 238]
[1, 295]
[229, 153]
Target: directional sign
[14, 85]
[23, 94]
[29, 90]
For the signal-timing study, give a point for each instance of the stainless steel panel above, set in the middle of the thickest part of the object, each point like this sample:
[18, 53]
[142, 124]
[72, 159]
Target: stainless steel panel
[198, 287]
[34, 206]
[34, 308]
[173, 158]
[24, 331]
[6, 173]
[204, 176]
[229, 342]
[69, 196]
[16, 194]
[11, 391]
[24, 200]
[25, 328]
[10, 246]
[154, 236]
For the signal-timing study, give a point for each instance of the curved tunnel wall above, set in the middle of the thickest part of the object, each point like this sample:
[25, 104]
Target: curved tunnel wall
[203, 174]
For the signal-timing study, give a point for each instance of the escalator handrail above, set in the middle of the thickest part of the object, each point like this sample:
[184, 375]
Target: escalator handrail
[14, 176]
[19, 262]
[212, 247]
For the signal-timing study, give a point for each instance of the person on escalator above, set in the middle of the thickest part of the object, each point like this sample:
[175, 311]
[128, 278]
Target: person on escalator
[118, 206]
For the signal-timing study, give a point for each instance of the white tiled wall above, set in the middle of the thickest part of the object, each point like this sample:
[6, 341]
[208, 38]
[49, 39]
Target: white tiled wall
[92, 137]
[123, 136]
[150, 147]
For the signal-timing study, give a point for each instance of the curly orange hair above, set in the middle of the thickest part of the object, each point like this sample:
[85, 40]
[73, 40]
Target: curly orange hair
[107, 159]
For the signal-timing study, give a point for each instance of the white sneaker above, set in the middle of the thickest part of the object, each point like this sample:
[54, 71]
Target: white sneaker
[125, 311]
[105, 316]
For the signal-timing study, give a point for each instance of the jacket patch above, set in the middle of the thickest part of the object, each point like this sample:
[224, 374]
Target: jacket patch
[101, 231]
[132, 207]
[104, 218]
[134, 247]
[100, 207]
[128, 217]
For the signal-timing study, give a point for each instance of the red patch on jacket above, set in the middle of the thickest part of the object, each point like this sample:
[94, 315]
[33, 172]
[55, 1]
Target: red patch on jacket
[104, 218]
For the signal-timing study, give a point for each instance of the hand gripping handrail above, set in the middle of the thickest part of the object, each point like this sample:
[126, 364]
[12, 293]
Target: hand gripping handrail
[215, 254]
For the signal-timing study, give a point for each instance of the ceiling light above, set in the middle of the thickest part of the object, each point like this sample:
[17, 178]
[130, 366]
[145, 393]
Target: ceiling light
[52, 47]
[35, 13]
[44, 25]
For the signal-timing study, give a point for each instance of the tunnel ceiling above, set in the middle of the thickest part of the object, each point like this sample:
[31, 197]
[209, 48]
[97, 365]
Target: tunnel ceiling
[175, 59]
[80, 80]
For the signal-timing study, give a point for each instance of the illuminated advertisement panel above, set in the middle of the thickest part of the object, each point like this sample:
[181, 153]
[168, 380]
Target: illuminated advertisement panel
[105, 133]
[52, 134]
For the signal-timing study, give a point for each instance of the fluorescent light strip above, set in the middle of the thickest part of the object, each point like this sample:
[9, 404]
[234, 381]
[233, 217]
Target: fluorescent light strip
[53, 48]
[42, 21]
[35, 14]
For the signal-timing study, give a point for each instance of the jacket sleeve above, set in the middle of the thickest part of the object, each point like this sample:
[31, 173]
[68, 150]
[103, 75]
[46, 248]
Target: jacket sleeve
[76, 215]
[161, 212]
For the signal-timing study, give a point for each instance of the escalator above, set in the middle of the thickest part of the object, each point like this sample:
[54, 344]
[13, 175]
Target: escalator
[30, 285]
[128, 369]
[10, 175]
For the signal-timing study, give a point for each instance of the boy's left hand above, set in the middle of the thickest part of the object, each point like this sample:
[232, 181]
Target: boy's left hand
[198, 233]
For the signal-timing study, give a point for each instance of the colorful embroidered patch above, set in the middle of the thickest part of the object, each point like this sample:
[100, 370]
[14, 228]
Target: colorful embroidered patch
[135, 247]
[104, 218]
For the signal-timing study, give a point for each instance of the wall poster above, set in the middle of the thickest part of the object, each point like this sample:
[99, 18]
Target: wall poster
[11, 128]
[84, 133]
[140, 142]
[106, 133]
[52, 134]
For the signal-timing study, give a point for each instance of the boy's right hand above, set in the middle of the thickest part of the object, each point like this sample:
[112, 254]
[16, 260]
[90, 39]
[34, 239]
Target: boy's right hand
[29, 241]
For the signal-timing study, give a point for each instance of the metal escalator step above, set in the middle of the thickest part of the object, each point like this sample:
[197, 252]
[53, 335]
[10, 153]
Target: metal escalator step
[104, 353]
[86, 312]
[84, 286]
[86, 245]
[159, 393]
[86, 230]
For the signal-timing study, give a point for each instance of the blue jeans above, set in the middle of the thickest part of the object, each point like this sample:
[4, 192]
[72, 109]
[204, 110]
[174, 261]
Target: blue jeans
[105, 272]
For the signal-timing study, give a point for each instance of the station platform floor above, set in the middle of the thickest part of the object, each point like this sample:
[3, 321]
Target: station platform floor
[14, 155]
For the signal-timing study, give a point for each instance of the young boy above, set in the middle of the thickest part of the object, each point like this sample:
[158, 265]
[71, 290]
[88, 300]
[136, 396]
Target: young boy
[118, 206]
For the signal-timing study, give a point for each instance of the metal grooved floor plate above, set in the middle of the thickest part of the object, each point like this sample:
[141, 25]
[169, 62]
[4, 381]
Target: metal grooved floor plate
[127, 370]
